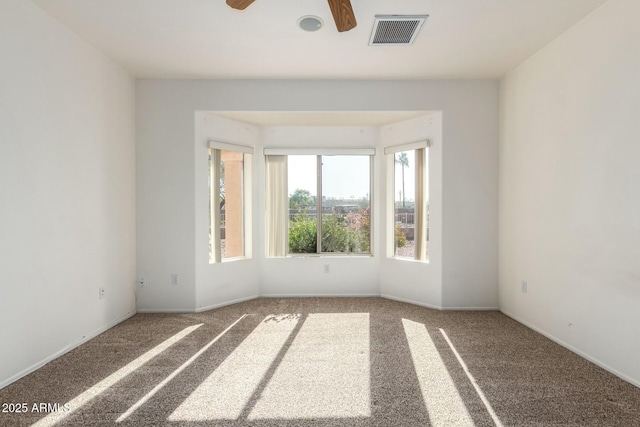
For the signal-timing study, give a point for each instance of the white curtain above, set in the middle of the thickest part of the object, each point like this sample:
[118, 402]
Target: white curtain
[420, 221]
[277, 206]
[214, 186]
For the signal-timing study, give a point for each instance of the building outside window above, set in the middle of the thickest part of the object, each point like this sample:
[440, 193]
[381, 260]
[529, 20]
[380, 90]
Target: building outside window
[228, 196]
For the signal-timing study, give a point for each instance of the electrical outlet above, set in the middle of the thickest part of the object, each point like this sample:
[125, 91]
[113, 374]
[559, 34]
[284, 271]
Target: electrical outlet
[523, 286]
[142, 283]
[174, 279]
[101, 294]
[327, 269]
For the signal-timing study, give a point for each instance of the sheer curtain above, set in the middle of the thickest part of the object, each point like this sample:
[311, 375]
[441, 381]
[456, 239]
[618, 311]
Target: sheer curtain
[420, 221]
[277, 215]
[214, 185]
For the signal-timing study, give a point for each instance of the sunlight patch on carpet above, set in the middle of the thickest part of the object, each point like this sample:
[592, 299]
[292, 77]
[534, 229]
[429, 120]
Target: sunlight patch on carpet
[440, 394]
[481, 394]
[83, 398]
[226, 391]
[324, 374]
[175, 373]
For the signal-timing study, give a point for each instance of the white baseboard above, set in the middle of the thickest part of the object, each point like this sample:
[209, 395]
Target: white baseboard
[236, 301]
[410, 301]
[65, 350]
[166, 310]
[437, 307]
[224, 304]
[318, 295]
[573, 349]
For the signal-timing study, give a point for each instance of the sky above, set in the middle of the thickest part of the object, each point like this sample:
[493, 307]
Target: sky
[344, 177]
[409, 179]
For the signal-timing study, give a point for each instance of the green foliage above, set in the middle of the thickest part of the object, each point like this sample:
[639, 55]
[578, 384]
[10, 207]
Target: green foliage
[401, 237]
[301, 199]
[360, 227]
[403, 160]
[336, 236]
[340, 233]
[303, 234]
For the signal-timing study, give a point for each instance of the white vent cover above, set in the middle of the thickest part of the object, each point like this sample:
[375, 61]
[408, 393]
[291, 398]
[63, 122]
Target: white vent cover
[396, 30]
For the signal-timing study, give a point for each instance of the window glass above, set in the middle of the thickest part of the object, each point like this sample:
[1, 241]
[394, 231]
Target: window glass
[226, 207]
[411, 204]
[346, 204]
[302, 181]
[404, 203]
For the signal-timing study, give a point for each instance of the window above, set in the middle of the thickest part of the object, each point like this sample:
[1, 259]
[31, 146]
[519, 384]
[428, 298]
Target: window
[325, 200]
[409, 198]
[229, 195]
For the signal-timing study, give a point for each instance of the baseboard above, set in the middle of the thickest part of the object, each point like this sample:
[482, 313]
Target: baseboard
[470, 309]
[166, 310]
[573, 349]
[65, 350]
[318, 295]
[236, 301]
[410, 301]
[224, 304]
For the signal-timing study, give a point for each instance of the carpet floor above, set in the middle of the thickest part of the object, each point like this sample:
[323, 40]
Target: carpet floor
[321, 362]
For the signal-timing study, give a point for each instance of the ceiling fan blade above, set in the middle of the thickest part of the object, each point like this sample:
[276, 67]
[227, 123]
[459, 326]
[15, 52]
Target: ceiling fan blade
[343, 14]
[239, 4]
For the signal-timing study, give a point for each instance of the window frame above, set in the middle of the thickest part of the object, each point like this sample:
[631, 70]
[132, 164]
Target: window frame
[319, 153]
[390, 152]
[214, 213]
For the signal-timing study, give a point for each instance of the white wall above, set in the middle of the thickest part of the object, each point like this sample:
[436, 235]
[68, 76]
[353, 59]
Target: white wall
[166, 174]
[407, 280]
[165, 203]
[470, 197]
[570, 189]
[67, 200]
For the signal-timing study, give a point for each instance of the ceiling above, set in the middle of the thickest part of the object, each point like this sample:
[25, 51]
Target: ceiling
[207, 39]
[320, 118]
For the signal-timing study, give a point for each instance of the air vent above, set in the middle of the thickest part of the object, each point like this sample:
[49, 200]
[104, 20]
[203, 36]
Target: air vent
[396, 30]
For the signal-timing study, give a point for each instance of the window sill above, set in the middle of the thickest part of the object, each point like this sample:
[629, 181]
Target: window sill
[228, 260]
[406, 259]
[327, 255]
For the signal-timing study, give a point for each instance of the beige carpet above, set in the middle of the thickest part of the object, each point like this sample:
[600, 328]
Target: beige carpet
[323, 362]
